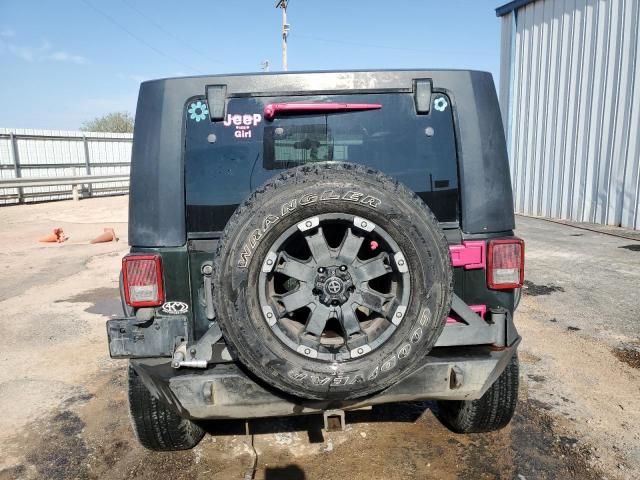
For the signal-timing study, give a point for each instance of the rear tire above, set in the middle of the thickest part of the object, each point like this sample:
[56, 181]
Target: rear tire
[156, 426]
[488, 413]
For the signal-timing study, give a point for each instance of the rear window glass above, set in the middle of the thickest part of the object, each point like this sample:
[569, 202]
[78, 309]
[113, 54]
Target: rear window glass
[225, 161]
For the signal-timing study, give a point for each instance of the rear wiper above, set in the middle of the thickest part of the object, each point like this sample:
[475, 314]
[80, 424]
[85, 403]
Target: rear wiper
[273, 110]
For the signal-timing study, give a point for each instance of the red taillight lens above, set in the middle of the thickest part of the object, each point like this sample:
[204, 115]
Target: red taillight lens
[505, 264]
[142, 276]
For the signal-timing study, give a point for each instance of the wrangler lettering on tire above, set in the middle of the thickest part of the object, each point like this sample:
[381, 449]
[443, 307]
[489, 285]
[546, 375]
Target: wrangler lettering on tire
[291, 205]
[332, 281]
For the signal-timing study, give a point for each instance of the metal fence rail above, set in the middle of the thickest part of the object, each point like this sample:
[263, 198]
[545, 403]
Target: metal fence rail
[40, 165]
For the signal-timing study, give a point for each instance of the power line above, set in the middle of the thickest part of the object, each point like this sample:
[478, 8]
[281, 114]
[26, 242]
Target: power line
[138, 38]
[172, 35]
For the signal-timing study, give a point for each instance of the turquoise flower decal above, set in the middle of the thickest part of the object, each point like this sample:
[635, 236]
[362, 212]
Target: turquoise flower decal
[440, 104]
[198, 111]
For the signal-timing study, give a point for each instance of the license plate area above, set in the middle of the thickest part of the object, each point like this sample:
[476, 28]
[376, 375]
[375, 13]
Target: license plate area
[130, 338]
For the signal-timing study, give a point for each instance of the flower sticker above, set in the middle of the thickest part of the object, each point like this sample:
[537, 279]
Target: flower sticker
[440, 104]
[198, 111]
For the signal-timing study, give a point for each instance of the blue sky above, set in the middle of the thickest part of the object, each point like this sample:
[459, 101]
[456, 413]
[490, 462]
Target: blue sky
[67, 61]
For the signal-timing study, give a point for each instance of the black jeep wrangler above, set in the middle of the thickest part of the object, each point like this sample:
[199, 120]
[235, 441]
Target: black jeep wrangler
[311, 243]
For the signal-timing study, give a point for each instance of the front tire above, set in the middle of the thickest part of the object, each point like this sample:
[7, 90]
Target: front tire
[491, 412]
[156, 426]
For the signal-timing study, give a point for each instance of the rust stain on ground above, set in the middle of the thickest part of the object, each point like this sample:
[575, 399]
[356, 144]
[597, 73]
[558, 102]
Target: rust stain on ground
[630, 356]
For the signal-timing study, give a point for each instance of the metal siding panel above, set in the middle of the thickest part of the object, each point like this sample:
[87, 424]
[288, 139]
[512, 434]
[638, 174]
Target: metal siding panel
[599, 73]
[631, 186]
[584, 121]
[533, 106]
[573, 112]
[542, 108]
[523, 117]
[505, 66]
[612, 99]
[622, 135]
[546, 186]
[514, 113]
[564, 56]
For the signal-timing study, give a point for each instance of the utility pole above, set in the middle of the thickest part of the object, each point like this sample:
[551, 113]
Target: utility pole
[285, 31]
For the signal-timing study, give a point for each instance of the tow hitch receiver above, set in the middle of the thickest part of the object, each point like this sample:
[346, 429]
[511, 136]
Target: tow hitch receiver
[333, 420]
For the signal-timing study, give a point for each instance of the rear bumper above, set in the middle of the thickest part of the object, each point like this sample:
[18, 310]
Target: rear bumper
[226, 391]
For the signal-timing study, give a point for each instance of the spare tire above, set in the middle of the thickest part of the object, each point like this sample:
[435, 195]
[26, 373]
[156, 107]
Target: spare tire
[332, 281]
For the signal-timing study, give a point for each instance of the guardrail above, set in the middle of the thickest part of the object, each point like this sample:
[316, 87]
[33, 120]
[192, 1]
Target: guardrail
[40, 165]
[75, 182]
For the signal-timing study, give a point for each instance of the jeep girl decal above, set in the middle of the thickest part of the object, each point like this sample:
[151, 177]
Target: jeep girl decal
[242, 123]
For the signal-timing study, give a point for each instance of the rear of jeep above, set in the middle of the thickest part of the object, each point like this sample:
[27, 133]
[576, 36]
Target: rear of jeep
[312, 243]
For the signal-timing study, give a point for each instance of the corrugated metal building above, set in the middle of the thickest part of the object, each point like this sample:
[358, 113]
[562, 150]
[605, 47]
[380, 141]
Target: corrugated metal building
[570, 99]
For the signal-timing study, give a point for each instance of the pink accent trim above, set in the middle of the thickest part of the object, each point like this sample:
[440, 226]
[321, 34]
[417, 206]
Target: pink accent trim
[479, 309]
[274, 109]
[470, 255]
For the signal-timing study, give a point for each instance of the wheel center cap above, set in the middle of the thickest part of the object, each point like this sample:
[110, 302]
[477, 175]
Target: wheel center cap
[334, 286]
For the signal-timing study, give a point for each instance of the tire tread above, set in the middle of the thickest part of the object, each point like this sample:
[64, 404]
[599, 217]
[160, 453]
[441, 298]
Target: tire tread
[156, 426]
[491, 412]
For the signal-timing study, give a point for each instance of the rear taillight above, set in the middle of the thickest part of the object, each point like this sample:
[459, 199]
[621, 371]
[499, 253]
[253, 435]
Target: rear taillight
[505, 264]
[142, 278]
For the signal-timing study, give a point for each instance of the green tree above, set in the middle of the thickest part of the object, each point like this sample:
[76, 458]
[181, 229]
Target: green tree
[116, 122]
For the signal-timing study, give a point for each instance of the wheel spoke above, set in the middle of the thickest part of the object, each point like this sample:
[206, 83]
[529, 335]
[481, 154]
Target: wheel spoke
[373, 300]
[374, 268]
[294, 268]
[292, 301]
[350, 247]
[349, 320]
[317, 320]
[319, 247]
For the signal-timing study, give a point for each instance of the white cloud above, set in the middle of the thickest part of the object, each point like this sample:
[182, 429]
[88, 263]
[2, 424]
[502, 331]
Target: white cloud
[62, 56]
[7, 33]
[42, 53]
[133, 77]
[27, 54]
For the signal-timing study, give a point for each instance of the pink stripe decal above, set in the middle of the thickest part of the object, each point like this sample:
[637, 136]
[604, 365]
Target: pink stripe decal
[274, 109]
[470, 255]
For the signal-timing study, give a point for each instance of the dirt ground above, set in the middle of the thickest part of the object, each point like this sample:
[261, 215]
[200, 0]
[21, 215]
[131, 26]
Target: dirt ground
[64, 408]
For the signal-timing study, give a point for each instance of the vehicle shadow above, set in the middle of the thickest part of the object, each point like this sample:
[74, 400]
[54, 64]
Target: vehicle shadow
[290, 472]
[313, 424]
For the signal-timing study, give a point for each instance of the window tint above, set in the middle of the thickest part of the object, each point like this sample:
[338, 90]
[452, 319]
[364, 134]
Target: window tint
[225, 161]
